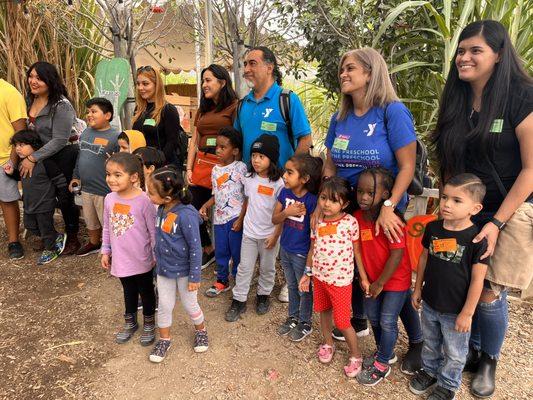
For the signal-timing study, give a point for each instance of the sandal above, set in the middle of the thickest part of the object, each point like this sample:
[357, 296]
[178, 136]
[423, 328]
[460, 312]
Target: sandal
[325, 353]
[353, 367]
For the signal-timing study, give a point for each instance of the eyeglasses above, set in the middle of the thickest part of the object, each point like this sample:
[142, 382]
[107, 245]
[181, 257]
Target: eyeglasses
[145, 68]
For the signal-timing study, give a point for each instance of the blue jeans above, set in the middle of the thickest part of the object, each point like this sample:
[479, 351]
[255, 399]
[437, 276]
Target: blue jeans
[383, 313]
[300, 303]
[408, 315]
[445, 349]
[227, 247]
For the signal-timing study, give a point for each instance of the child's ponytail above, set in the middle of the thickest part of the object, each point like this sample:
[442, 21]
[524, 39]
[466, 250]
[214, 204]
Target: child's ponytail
[169, 182]
[185, 195]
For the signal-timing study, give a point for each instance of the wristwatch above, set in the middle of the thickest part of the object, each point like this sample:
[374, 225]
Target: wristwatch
[499, 224]
[388, 203]
[308, 271]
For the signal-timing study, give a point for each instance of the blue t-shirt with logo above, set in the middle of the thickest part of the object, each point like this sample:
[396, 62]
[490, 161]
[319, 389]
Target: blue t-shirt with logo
[257, 117]
[296, 234]
[358, 143]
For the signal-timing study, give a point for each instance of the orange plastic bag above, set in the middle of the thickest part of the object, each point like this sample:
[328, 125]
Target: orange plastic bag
[415, 231]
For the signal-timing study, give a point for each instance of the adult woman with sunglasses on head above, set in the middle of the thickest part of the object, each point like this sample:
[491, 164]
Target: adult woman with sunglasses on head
[485, 127]
[52, 116]
[157, 119]
[218, 103]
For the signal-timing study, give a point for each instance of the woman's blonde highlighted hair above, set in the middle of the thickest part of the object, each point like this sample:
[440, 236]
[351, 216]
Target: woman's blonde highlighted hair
[379, 91]
[154, 76]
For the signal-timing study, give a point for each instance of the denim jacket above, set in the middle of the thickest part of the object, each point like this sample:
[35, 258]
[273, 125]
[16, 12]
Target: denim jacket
[178, 249]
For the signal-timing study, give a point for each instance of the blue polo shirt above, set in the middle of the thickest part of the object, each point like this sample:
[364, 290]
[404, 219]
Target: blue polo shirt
[264, 116]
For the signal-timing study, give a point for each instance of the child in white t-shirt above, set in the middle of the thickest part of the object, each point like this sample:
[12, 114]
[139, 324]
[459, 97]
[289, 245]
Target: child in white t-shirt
[260, 236]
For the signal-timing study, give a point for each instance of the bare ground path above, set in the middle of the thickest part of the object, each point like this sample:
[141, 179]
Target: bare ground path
[56, 342]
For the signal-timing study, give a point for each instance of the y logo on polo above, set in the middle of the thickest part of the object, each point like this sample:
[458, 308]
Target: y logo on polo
[267, 112]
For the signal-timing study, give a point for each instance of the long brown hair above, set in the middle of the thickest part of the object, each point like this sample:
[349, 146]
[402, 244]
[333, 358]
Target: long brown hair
[154, 76]
[379, 91]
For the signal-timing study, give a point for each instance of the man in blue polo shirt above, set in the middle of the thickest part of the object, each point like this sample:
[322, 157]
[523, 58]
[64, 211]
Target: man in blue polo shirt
[260, 110]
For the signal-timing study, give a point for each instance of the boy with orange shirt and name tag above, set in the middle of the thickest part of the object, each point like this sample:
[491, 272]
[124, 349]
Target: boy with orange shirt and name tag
[97, 142]
[452, 272]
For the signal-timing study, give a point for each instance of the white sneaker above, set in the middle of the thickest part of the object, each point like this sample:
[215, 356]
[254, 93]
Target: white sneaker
[284, 294]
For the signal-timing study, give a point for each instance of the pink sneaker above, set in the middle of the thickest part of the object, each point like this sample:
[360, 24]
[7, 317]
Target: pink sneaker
[325, 353]
[354, 367]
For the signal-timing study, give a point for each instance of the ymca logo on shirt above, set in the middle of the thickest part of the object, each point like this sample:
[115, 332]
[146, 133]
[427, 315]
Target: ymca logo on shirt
[267, 112]
[370, 130]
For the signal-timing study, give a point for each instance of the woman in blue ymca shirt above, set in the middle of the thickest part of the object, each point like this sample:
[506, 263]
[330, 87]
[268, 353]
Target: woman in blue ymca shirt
[374, 129]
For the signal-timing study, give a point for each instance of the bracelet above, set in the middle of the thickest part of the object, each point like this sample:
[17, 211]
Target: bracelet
[33, 162]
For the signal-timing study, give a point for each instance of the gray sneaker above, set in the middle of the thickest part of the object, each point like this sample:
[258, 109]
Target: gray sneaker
[287, 326]
[300, 331]
[159, 352]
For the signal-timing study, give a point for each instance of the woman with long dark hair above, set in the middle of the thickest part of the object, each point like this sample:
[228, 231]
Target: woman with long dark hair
[52, 116]
[484, 127]
[218, 103]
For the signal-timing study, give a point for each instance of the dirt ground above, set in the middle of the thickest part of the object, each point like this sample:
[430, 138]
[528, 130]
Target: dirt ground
[57, 342]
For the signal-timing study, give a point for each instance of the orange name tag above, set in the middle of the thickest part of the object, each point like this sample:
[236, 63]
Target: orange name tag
[168, 223]
[327, 230]
[119, 208]
[101, 141]
[266, 190]
[366, 234]
[222, 179]
[445, 245]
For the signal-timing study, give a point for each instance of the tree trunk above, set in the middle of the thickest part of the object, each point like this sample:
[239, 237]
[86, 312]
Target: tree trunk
[238, 53]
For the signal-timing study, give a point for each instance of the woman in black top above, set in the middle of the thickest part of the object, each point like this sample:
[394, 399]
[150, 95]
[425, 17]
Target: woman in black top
[485, 127]
[158, 120]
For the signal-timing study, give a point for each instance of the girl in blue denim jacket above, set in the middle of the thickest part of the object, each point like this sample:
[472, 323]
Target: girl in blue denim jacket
[178, 253]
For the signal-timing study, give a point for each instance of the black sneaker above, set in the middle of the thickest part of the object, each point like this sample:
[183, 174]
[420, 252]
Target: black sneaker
[15, 250]
[287, 326]
[412, 361]
[441, 393]
[372, 376]
[160, 350]
[300, 332]
[337, 335]
[262, 304]
[422, 382]
[201, 342]
[207, 259]
[236, 309]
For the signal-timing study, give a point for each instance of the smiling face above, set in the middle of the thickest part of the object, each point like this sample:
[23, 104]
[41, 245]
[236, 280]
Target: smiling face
[475, 60]
[211, 85]
[96, 118]
[37, 86]
[117, 178]
[353, 77]
[256, 71]
[145, 87]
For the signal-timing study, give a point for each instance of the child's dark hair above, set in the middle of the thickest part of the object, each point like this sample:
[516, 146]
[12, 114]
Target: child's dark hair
[233, 135]
[27, 136]
[309, 166]
[123, 136]
[337, 189]
[150, 156]
[274, 172]
[169, 182]
[102, 103]
[386, 178]
[471, 184]
[130, 163]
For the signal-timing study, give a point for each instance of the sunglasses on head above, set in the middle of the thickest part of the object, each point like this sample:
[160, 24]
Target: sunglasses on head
[145, 68]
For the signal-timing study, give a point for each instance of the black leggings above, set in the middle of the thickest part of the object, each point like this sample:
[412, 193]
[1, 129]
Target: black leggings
[142, 284]
[66, 161]
[200, 195]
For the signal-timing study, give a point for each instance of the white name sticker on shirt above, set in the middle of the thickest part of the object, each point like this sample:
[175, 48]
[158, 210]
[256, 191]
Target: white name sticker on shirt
[497, 126]
[341, 142]
[268, 126]
[211, 141]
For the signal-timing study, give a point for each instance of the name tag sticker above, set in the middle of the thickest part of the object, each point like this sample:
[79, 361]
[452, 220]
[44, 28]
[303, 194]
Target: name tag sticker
[101, 141]
[222, 179]
[445, 245]
[269, 126]
[366, 234]
[168, 223]
[119, 208]
[149, 122]
[497, 126]
[266, 190]
[211, 141]
[327, 230]
[341, 142]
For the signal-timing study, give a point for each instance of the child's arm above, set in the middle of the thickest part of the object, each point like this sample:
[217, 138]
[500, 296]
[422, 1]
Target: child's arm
[464, 319]
[416, 297]
[390, 267]
[271, 241]
[207, 205]
[237, 225]
[305, 281]
[190, 228]
[295, 209]
[106, 243]
[363, 278]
